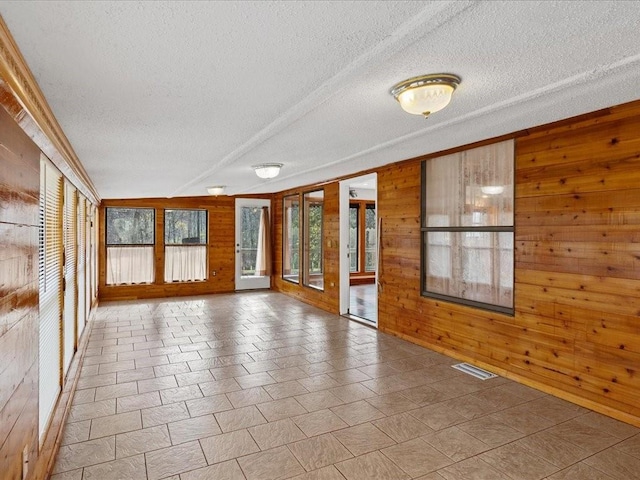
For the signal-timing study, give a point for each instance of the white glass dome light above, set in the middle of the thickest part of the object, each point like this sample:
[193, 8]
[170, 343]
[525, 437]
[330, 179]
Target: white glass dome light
[267, 170]
[216, 190]
[492, 189]
[425, 94]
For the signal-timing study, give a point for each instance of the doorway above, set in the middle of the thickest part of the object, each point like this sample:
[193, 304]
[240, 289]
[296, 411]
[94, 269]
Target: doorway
[358, 249]
[253, 243]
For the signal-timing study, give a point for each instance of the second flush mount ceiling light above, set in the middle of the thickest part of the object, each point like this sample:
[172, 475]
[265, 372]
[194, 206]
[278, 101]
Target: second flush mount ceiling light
[267, 170]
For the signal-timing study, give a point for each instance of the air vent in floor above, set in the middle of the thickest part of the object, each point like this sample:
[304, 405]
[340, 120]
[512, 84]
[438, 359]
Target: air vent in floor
[474, 371]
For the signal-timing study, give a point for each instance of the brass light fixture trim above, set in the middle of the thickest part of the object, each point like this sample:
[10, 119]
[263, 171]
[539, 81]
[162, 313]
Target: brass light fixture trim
[434, 100]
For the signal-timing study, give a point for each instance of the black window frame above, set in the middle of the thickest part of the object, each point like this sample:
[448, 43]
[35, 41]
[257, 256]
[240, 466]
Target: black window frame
[106, 228]
[187, 244]
[425, 230]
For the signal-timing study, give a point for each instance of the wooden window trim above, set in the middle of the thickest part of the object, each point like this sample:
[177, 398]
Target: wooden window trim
[285, 238]
[362, 206]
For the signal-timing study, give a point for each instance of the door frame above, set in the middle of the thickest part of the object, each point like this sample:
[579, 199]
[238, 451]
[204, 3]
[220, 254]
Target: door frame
[248, 282]
[345, 300]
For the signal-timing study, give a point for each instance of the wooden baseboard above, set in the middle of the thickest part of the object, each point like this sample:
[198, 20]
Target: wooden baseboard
[556, 392]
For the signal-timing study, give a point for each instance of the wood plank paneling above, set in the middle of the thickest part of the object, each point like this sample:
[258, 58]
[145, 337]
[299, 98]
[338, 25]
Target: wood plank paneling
[19, 194]
[329, 298]
[27, 128]
[221, 251]
[576, 328]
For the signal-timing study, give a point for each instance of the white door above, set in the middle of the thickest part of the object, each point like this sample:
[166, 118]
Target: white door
[251, 250]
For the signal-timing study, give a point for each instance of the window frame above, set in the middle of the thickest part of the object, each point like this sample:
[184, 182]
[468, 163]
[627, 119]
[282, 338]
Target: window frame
[107, 245]
[206, 226]
[424, 245]
[306, 274]
[362, 206]
[187, 244]
[285, 237]
[369, 206]
[358, 242]
[106, 228]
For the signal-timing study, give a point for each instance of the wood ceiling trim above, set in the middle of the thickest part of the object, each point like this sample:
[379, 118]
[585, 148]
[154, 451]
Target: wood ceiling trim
[21, 83]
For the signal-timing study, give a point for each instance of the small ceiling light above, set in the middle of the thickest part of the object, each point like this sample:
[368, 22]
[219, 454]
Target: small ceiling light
[216, 190]
[267, 170]
[425, 94]
[492, 189]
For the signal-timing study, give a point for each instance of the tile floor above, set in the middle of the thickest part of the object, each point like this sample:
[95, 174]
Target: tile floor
[259, 386]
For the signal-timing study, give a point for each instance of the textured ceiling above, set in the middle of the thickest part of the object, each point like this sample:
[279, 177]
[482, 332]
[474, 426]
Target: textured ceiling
[164, 98]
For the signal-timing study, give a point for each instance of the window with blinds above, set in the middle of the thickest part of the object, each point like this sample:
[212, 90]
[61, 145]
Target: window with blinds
[94, 252]
[70, 270]
[82, 262]
[50, 287]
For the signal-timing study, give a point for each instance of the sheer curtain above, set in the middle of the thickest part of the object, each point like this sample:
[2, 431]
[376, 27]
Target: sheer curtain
[263, 256]
[129, 265]
[185, 263]
[468, 225]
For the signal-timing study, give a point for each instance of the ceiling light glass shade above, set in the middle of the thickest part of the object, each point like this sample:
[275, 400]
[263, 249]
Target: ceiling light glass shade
[267, 170]
[216, 190]
[492, 189]
[426, 94]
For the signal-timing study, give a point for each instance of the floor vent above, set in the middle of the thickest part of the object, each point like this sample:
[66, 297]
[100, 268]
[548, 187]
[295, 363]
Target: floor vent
[474, 371]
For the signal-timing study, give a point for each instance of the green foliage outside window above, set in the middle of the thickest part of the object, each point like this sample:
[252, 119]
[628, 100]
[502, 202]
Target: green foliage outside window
[130, 226]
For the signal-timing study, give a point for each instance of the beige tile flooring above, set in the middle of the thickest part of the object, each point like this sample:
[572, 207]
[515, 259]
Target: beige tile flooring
[259, 386]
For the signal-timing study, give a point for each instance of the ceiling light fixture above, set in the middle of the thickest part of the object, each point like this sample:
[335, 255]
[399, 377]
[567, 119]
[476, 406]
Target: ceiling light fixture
[425, 94]
[267, 170]
[492, 189]
[216, 190]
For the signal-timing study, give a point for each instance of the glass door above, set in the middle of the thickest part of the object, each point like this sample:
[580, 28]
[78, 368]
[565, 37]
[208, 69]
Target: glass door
[253, 243]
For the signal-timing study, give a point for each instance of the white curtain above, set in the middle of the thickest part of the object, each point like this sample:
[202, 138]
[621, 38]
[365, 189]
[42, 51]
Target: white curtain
[129, 265]
[263, 255]
[185, 263]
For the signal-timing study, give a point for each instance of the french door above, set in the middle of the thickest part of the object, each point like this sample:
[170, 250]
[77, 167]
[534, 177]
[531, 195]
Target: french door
[253, 245]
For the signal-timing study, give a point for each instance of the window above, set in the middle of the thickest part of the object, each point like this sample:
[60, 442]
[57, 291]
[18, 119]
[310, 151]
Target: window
[185, 245]
[354, 237]
[467, 227]
[130, 238]
[362, 237]
[370, 238]
[313, 258]
[250, 230]
[291, 239]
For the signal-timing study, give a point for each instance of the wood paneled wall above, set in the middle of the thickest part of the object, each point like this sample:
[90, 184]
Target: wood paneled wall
[329, 299]
[19, 193]
[576, 328]
[221, 223]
